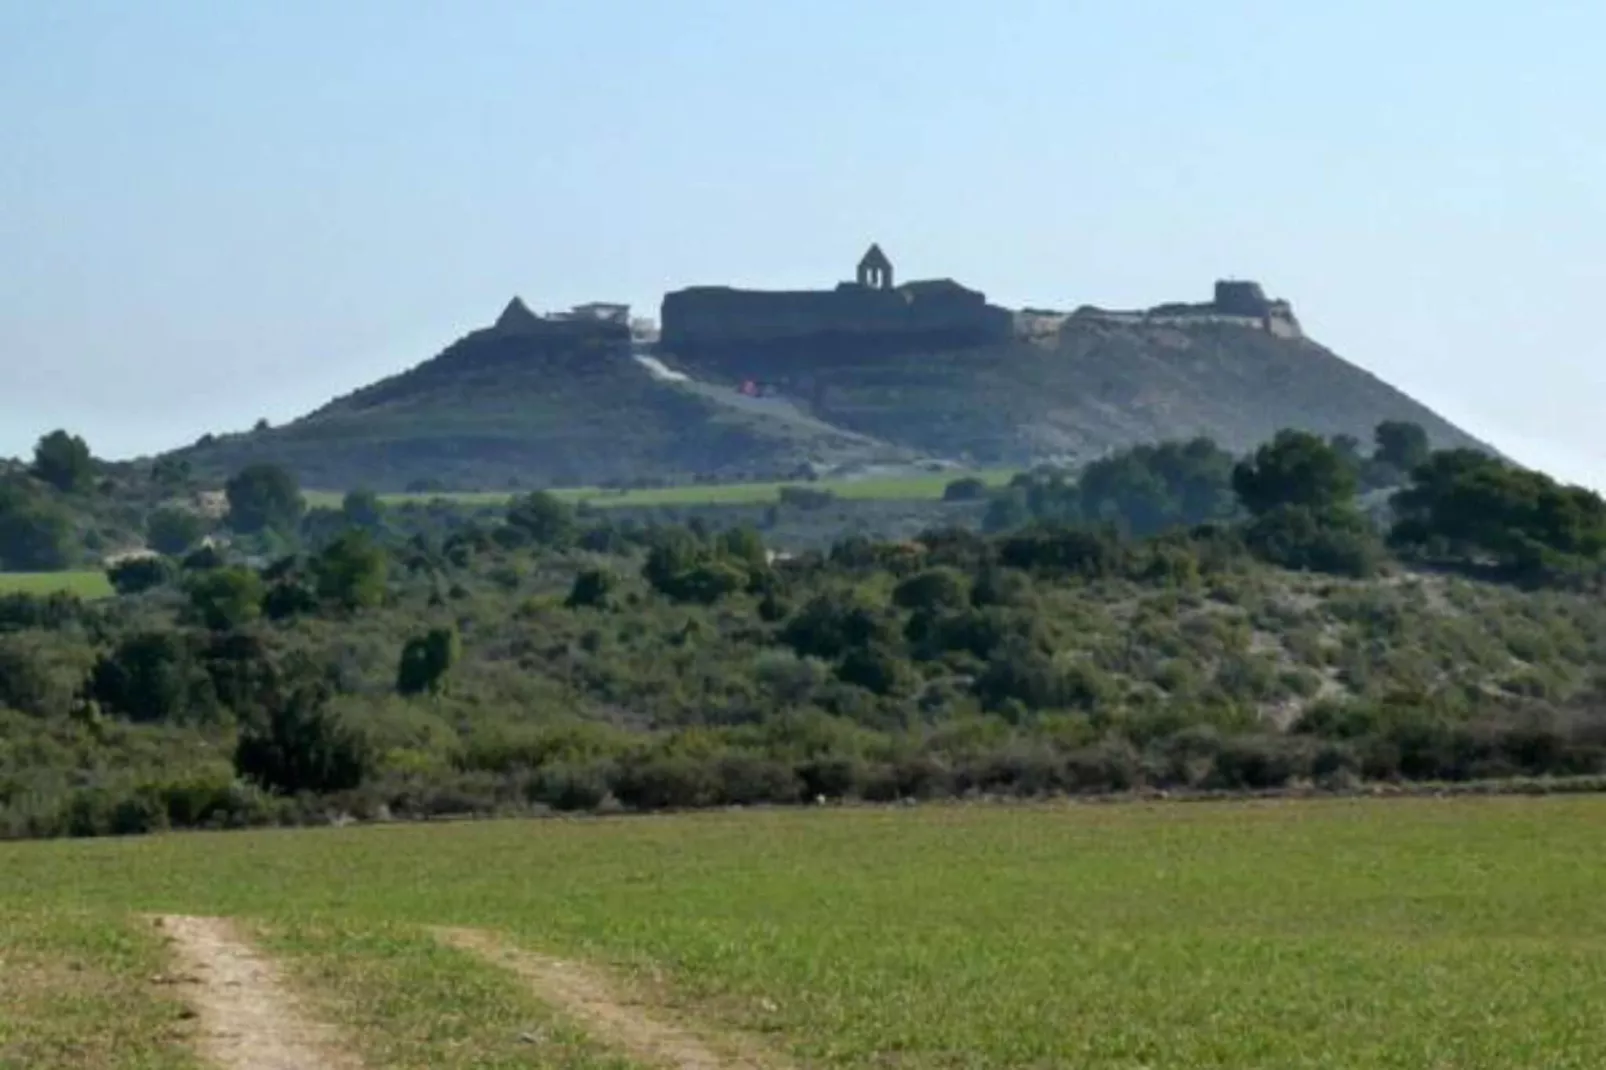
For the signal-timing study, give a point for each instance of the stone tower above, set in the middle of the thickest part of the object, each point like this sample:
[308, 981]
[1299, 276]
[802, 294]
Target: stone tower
[875, 270]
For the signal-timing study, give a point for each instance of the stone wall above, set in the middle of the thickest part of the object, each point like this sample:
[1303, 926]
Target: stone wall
[719, 315]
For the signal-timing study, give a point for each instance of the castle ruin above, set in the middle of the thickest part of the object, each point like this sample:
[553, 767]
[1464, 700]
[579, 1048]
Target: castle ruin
[1237, 303]
[939, 311]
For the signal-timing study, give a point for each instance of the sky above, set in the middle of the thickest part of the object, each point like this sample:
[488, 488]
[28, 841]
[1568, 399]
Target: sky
[212, 213]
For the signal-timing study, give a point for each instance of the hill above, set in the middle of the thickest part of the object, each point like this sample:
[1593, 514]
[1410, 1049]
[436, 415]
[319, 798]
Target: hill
[535, 401]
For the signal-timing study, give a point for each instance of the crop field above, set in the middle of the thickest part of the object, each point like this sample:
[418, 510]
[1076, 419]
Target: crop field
[1343, 933]
[85, 584]
[923, 487]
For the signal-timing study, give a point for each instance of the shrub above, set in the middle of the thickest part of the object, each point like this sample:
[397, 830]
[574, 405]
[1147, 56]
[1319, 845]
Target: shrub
[966, 489]
[592, 588]
[1336, 541]
[426, 660]
[303, 747]
[138, 574]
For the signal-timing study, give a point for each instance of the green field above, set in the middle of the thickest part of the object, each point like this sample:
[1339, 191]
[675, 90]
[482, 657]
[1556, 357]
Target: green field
[924, 487]
[85, 584]
[1409, 934]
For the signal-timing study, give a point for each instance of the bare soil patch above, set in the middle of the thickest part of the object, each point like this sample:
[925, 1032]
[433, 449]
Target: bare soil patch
[606, 1011]
[246, 1019]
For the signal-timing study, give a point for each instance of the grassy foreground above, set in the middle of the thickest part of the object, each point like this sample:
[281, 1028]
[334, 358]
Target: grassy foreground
[1318, 934]
[84, 584]
[923, 487]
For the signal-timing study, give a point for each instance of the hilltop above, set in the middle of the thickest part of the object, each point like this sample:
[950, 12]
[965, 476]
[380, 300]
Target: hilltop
[759, 385]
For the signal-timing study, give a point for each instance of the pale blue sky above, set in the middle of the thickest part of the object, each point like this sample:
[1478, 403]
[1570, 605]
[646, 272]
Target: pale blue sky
[212, 211]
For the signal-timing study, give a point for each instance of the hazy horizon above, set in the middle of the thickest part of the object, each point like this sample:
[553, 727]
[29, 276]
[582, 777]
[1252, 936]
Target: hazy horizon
[217, 214]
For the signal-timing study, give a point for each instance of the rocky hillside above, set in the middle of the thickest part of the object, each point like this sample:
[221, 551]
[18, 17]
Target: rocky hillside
[533, 402]
[508, 408]
[1085, 389]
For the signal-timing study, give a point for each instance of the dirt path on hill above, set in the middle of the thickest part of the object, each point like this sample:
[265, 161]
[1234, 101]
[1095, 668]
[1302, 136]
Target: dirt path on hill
[612, 1018]
[246, 1018]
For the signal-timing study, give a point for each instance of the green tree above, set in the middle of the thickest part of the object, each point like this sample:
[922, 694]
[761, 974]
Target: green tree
[303, 747]
[1150, 488]
[226, 598]
[543, 518]
[965, 489]
[933, 590]
[153, 676]
[1338, 540]
[592, 588]
[172, 530]
[363, 509]
[138, 574]
[170, 472]
[426, 660]
[1401, 445]
[63, 461]
[1295, 468]
[351, 571]
[35, 533]
[1465, 507]
[264, 497]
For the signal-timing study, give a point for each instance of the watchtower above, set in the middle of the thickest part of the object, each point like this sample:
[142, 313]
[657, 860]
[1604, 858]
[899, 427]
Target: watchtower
[875, 270]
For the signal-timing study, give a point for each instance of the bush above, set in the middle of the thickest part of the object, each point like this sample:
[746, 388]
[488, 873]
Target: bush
[173, 531]
[303, 747]
[1336, 541]
[933, 589]
[592, 588]
[426, 660]
[967, 489]
[569, 787]
[666, 782]
[139, 574]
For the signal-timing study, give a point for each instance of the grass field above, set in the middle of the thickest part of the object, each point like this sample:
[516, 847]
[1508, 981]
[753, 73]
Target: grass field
[1408, 934]
[86, 584]
[924, 487]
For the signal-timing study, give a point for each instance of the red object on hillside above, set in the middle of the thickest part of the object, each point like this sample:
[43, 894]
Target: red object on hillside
[750, 388]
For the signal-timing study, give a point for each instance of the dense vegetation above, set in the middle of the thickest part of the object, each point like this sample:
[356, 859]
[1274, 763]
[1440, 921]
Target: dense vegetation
[1173, 619]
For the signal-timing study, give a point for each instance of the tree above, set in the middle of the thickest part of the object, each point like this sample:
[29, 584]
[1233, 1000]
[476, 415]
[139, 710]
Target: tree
[1294, 468]
[172, 530]
[170, 472]
[1467, 508]
[63, 461]
[965, 489]
[264, 497]
[137, 574]
[35, 534]
[1400, 444]
[153, 676]
[543, 518]
[351, 571]
[592, 588]
[425, 661]
[1338, 540]
[226, 598]
[303, 746]
[933, 590]
[363, 509]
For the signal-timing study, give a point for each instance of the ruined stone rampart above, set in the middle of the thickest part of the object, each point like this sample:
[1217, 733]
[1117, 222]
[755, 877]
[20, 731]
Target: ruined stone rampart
[718, 315]
[1236, 304]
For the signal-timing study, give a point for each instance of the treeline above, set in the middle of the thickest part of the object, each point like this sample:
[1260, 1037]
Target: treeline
[334, 662]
